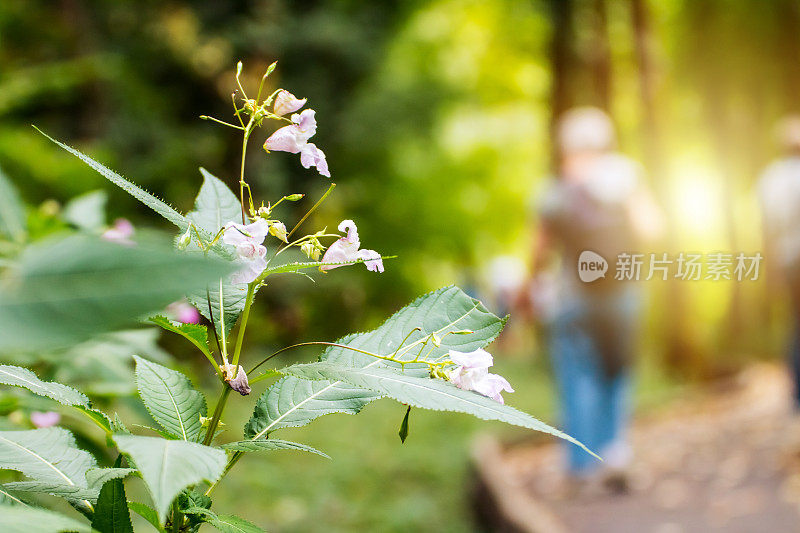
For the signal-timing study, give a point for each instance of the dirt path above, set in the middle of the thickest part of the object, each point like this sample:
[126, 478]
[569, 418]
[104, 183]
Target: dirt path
[726, 461]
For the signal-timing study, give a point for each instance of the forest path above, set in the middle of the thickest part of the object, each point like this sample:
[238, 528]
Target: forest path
[726, 460]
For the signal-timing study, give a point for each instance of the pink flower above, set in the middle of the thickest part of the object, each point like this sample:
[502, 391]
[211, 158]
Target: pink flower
[247, 240]
[311, 156]
[45, 420]
[346, 250]
[472, 373]
[120, 232]
[183, 312]
[286, 102]
[294, 139]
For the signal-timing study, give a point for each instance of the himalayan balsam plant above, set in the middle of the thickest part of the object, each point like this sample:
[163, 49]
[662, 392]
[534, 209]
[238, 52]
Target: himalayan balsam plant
[62, 291]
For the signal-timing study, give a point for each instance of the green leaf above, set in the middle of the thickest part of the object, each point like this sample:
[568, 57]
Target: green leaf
[70, 493]
[293, 401]
[22, 377]
[12, 211]
[64, 291]
[170, 399]
[197, 334]
[169, 466]
[214, 207]
[98, 417]
[87, 211]
[97, 477]
[269, 445]
[147, 513]
[111, 514]
[48, 455]
[226, 523]
[19, 519]
[6, 498]
[425, 392]
[403, 432]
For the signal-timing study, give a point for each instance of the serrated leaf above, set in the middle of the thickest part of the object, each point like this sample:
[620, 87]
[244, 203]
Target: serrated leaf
[70, 493]
[154, 203]
[214, 207]
[63, 291]
[169, 466]
[12, 211]
[147, 513]
[269, 445]
[226, 523]
[98, 417]
[97, 477]
[170, 399]
[22, 377]
[111, 514]
[47, 454]
[19, 519]
[293, 401]
[427, 393]
[87, 211]
[197, 334]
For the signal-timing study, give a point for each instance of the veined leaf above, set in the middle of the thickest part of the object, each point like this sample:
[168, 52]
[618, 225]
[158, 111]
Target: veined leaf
[269, 445]
[12, 212]
[48, 455]
[293, 401]
[225, 523]
[214, 207]
[197, 334]
[64, 291]
[97, 477]
[170, 399]
[147, 513]
[6, 498]
[111, 514]
[22, 377]
[427, 393]
[19, 519]
[169, 466]
[70, 493]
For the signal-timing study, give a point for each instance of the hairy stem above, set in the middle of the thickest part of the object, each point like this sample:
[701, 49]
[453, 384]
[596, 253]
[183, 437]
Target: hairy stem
[212, 426]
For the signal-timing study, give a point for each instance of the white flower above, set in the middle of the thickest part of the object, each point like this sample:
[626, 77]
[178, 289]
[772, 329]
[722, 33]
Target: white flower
[247, 240]
[346, 250]
[286, 102]
[472, 373]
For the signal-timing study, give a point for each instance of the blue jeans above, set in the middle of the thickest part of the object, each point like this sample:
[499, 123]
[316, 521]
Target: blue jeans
[594, 404]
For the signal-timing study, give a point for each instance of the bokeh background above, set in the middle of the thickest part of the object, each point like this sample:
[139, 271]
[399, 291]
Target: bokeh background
[436, 116]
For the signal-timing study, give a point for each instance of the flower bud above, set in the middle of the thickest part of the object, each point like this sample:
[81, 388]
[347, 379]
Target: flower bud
[278, 229]
[295, 197]
[311, 250]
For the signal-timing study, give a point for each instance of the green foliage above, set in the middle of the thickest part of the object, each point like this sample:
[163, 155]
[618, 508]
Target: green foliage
[292, 401]
[226, 523]
[23, 519]
[147, 513]
[22, 377]
[214, 207]
[111, 514]
[423, 392]
[48, 455]
[69, 289]
[97, 477]
[270, 445]
[169, 466]
[12, 212]
[170, 399]
[71, 493]
[197, 334]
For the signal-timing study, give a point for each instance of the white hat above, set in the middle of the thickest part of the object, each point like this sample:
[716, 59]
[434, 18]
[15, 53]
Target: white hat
[585, 128]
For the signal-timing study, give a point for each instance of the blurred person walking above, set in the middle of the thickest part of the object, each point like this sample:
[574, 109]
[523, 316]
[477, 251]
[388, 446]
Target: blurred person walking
[597, 203]
[779, 195]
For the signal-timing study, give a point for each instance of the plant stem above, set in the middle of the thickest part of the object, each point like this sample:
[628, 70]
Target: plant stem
[251, 290]
[248, 129]
[212, 426]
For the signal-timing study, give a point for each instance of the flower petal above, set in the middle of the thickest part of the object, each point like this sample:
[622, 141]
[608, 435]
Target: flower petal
[285, 139]
[372, 260]
[311, 156]
[286, 102]
[480, 358]
[306, 125]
